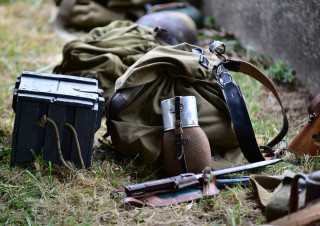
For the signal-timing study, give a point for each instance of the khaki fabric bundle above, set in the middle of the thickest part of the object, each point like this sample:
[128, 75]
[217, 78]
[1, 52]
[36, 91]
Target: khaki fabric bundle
[134, 111]
[126, 3]
[107, 52]
[89, 14]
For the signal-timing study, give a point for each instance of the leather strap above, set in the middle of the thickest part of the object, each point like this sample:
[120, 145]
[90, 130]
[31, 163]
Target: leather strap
[254, 72]
[179, 139]
[295, 192]
[239, 116]
[314, 106]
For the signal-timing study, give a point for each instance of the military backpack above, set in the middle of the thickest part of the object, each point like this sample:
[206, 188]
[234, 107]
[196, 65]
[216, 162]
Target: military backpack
[134, 117]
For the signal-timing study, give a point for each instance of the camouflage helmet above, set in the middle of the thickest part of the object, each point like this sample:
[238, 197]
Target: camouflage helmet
[178, 25]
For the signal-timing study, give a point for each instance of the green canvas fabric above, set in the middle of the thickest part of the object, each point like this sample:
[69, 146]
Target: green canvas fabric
[126, 3]
[107, 52]
[89, 14]
[111, 3]
[162, 73]
[274, 193]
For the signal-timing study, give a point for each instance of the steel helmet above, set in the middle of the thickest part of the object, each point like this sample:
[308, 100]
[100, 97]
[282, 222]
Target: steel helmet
[178, 25]
[182, 7]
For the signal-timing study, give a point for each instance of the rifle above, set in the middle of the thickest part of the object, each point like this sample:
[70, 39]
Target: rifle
[186, 180]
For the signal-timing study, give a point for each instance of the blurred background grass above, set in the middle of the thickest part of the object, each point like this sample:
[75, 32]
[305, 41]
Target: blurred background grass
[26, 44]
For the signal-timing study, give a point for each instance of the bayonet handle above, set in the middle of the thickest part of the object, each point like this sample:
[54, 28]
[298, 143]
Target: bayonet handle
[177, 182]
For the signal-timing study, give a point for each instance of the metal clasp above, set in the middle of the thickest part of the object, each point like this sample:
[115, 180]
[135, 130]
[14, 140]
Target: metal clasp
[204, 62]
[312, 117]
[225, 78]
[197, 51]
[219, 48]
[222, 74]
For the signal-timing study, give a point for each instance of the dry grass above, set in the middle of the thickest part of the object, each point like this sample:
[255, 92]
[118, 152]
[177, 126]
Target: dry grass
[42, 194]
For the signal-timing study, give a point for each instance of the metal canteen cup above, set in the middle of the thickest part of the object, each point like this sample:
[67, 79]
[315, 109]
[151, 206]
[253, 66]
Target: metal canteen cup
[312, 189]
[188, 112]
[185, 145]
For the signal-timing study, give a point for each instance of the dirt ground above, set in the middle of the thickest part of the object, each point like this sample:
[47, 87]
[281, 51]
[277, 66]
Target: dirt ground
[296, 101]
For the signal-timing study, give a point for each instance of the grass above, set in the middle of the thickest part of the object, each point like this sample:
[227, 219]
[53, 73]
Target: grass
[46, 194]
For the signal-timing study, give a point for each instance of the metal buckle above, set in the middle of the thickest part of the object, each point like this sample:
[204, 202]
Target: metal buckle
[221, 74]
[218, 47]
[197, 51]
[204, 62]
[225, 78]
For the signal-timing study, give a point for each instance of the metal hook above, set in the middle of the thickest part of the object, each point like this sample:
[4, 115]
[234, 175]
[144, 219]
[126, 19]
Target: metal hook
[217, 47]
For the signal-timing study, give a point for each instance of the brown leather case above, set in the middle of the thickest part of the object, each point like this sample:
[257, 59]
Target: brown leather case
[308, 139]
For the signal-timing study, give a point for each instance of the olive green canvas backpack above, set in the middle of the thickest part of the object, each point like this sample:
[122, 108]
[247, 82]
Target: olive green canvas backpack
[134, 117]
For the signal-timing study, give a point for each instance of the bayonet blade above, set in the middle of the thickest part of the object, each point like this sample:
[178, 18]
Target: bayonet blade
[241, 168]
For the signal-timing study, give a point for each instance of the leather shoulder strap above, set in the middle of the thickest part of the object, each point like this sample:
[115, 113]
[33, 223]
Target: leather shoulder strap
[239, 115]
[254, 72]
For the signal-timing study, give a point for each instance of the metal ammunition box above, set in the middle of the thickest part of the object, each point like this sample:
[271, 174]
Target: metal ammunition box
[64, 99]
